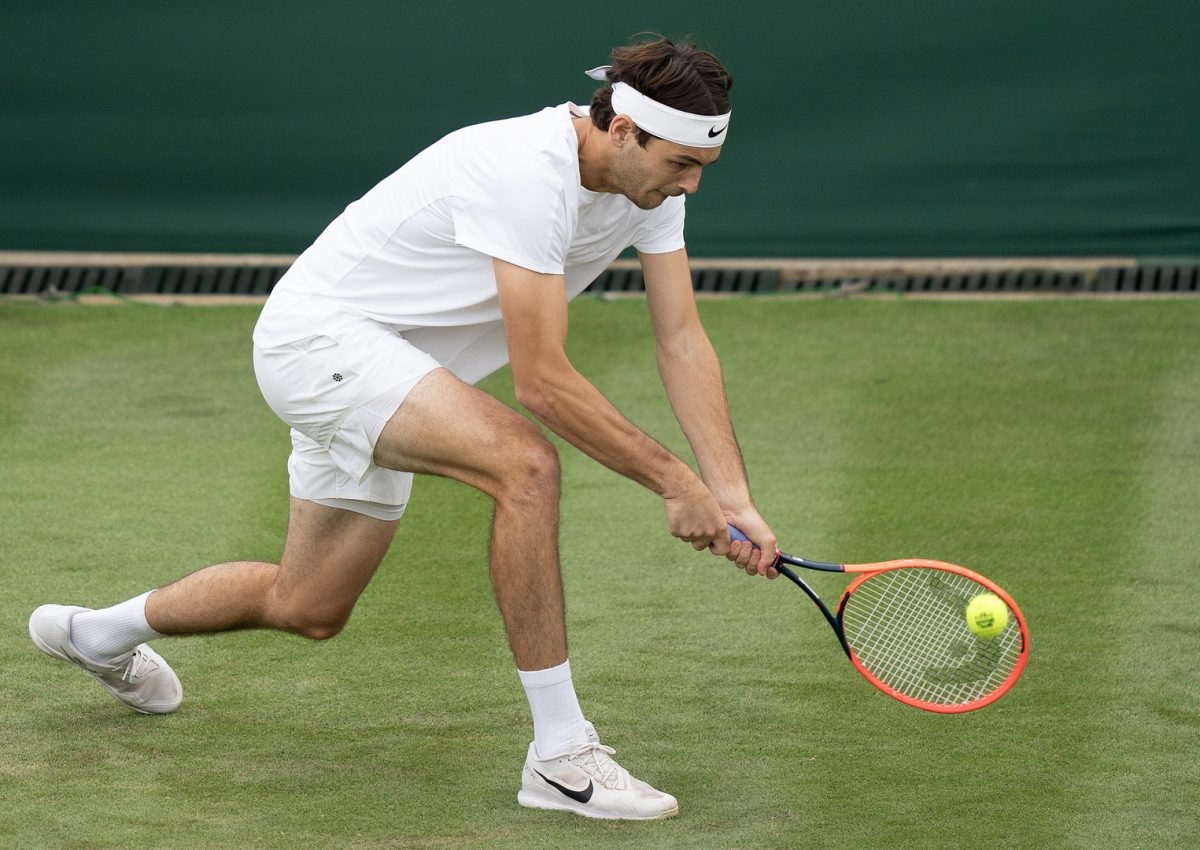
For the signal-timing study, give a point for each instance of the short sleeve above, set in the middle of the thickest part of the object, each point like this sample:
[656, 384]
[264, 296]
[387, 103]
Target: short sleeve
[518, 215]
[663, 231]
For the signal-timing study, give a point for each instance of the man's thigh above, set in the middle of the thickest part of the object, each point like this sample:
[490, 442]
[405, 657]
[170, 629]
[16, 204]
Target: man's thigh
[330, 555]
[448, 427]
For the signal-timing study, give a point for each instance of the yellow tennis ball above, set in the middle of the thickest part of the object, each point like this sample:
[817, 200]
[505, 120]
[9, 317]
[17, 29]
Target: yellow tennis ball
[987, 615]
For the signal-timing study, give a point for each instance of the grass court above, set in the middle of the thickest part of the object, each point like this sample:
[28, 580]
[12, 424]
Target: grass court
[1052, 445]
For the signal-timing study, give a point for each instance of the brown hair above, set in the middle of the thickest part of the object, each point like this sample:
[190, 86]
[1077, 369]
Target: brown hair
[681, 76]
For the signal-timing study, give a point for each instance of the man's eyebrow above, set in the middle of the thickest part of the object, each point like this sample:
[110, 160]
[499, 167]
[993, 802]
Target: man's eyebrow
[693, 160]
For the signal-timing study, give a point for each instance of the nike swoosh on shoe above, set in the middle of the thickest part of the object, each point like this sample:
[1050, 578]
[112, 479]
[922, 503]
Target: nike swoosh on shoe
[578, 796]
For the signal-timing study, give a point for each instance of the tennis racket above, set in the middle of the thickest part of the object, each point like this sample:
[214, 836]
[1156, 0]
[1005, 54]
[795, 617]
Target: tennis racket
[903, 625]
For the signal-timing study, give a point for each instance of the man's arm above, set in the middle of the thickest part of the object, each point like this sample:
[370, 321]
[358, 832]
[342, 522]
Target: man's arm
[691, 374]
[534, 307]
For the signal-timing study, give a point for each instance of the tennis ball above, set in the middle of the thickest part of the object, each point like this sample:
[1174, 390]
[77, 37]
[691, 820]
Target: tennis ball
[987, 615]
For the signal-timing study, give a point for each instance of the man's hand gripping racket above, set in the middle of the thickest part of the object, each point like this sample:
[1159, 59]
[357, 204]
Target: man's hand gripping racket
[903, 625]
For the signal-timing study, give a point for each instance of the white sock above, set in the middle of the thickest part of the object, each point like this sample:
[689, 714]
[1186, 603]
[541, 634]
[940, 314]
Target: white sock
[103, 635]
[557, 718]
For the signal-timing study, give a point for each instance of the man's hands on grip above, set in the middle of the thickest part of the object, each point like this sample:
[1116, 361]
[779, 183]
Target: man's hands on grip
[694, 515]
[758, 554]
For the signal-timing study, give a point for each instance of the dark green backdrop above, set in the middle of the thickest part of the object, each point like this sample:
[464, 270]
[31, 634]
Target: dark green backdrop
[872, 128]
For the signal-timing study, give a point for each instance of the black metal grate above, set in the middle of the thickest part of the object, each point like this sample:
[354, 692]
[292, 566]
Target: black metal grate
[1175, 278]
[140, 280]
[1133, 279]
[192, 279]
[732, 280]
[1026, 281]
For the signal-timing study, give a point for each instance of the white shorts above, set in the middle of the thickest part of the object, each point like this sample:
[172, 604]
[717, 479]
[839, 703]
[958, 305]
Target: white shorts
[337, 389]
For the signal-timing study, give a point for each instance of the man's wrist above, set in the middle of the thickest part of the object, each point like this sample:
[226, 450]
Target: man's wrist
[733, 500]
[678, 478]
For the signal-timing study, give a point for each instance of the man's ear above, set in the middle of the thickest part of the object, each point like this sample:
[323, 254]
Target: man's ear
[621, 129]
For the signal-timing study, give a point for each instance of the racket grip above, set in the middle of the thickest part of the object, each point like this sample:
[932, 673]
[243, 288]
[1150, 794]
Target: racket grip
[736, 533]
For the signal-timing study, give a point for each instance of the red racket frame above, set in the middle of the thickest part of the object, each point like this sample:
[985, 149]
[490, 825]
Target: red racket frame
[865, 571]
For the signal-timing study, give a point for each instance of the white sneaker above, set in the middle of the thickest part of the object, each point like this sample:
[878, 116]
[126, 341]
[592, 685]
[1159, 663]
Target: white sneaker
[139, 678]
[586, 781]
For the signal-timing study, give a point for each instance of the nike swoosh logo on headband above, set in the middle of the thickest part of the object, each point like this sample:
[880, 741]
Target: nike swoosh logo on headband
[579, 796]
[714, 132]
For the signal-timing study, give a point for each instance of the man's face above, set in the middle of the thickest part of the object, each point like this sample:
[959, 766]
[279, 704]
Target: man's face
[662, 169]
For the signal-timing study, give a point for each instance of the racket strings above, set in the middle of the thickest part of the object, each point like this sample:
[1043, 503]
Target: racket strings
[908, 629]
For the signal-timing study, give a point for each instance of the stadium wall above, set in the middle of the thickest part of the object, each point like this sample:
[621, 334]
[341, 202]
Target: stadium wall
[874, 128]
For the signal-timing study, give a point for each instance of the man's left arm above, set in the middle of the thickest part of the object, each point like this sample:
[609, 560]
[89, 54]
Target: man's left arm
[691, 374]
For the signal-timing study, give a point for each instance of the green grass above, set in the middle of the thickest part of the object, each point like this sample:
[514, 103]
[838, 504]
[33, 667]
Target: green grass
[1054, 446]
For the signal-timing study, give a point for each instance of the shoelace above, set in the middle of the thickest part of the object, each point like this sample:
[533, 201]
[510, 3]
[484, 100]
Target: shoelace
[137, 666]
[594, 760]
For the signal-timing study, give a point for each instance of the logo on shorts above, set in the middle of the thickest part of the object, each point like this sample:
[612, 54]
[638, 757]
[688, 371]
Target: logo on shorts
[337, 376]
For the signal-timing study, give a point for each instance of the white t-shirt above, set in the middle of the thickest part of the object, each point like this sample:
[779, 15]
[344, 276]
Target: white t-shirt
[416, 251]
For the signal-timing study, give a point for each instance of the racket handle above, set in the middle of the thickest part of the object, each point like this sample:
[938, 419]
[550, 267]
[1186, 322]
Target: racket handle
[782, 558]
[735, 533]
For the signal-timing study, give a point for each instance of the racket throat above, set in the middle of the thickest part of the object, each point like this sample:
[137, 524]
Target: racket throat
[835, 623]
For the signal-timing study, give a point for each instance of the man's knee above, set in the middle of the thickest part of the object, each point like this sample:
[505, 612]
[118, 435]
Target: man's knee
[531, 470]
[303, 617]
[321, 628]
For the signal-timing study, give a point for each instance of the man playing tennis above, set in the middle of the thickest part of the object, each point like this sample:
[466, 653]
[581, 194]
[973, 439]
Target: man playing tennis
[368, 347]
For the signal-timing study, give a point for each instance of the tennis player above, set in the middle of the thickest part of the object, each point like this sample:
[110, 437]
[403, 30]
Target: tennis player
[368, 348]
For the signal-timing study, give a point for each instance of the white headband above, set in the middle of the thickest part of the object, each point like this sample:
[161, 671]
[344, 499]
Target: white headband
[674, 125]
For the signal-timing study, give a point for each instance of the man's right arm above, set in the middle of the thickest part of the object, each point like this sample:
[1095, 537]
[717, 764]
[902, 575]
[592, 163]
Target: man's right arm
[534, 307]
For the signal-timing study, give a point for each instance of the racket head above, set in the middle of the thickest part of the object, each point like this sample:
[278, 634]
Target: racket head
[905, 624]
